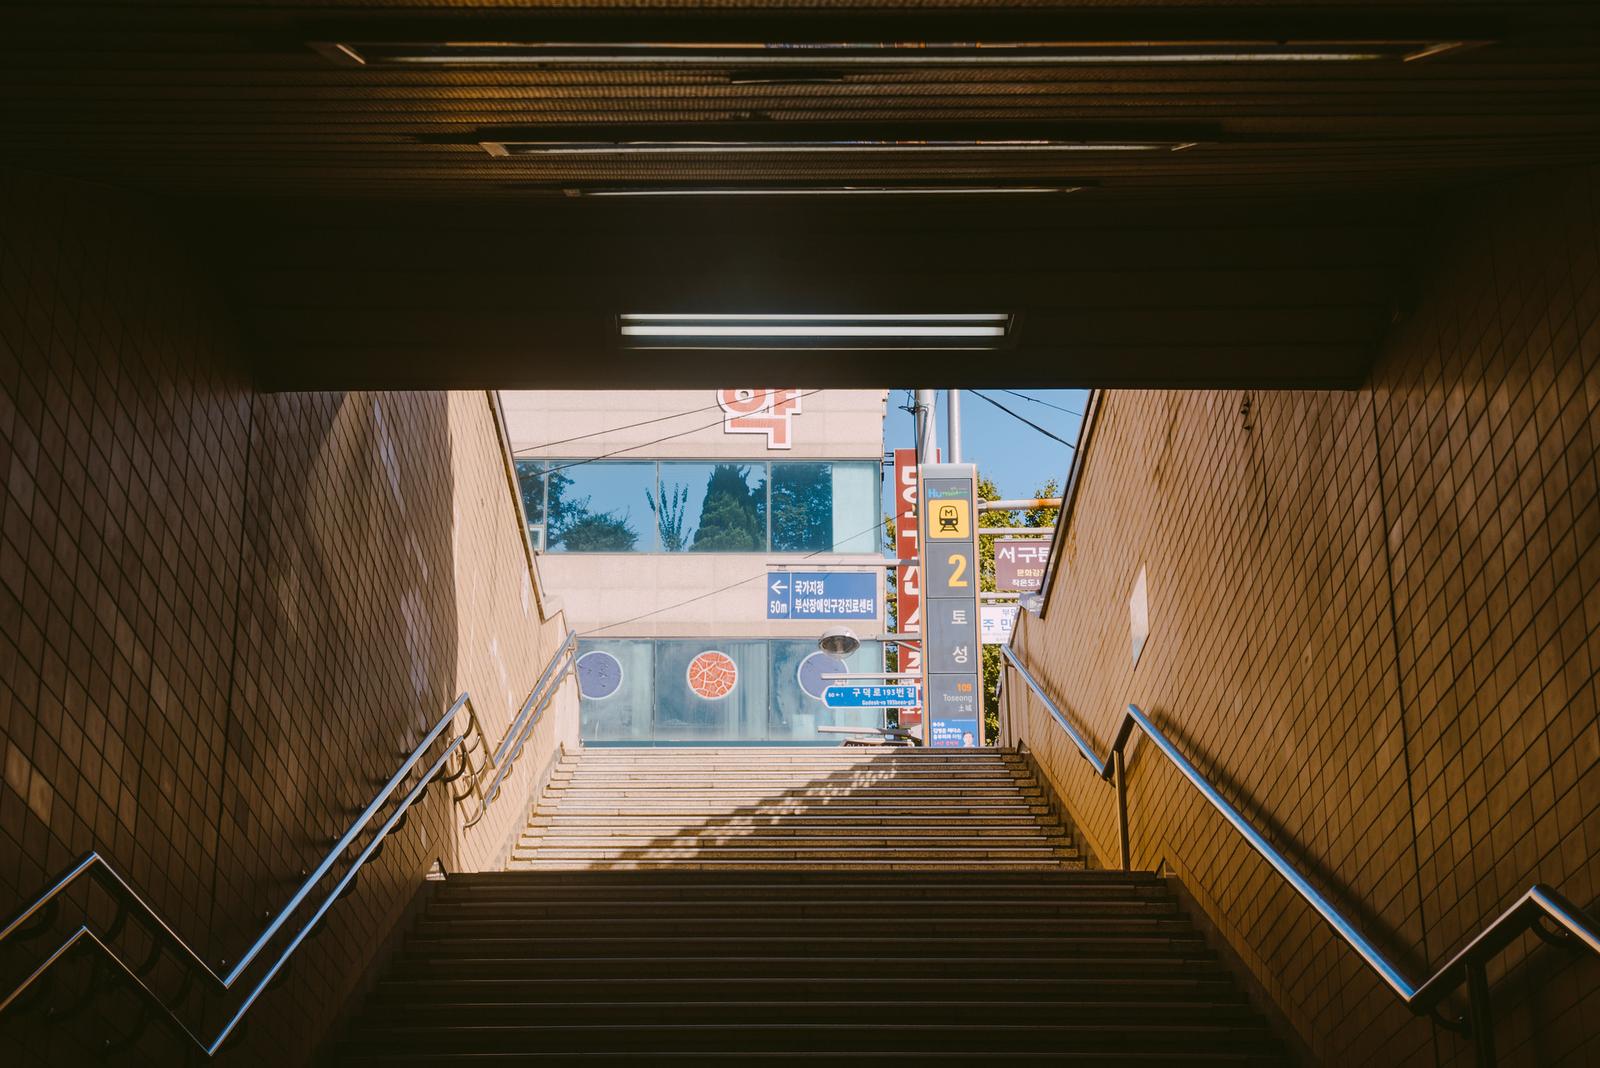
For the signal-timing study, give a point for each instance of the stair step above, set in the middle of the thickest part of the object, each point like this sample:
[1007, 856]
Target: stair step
[1002, 989]
[882, 969]
[914, 1034]
[1030, 915]
[823, 840]
[450, 926]
[384, 1012]
[868, 947]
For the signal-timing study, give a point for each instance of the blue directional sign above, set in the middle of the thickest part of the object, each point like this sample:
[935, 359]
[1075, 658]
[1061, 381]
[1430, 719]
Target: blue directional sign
[870, 696]
[822, 595]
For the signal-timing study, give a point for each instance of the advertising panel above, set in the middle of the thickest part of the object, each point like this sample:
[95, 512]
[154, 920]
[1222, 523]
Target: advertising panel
[998, 621]
[1019, 565]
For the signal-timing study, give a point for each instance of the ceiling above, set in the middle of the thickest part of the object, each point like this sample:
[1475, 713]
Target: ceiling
[368, 237]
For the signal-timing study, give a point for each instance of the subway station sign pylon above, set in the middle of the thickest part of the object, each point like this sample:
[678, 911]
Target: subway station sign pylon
[952, 650]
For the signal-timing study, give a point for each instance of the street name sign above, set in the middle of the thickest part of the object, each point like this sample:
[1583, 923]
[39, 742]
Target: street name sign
[870, 696]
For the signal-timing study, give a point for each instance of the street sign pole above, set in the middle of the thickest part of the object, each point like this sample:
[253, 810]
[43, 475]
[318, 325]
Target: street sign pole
[952, 650]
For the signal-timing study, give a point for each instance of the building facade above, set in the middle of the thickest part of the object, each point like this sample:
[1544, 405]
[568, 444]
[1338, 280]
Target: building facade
[700, 542]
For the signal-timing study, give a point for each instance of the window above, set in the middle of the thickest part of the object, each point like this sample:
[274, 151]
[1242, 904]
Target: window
[825, 507]
[530, 478]
[713, 508]
[642, 691]
[601, 507]
[621, 506]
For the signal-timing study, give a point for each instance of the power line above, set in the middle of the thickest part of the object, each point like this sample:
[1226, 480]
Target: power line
[1047, 404]
[535, 449]
[1023, 419]
[647, 444]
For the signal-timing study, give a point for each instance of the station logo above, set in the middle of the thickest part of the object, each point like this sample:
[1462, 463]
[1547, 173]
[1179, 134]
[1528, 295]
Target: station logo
[760, 411]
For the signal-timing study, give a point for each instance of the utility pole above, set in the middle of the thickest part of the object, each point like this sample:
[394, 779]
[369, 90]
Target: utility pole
[927, 428]
[952, 415]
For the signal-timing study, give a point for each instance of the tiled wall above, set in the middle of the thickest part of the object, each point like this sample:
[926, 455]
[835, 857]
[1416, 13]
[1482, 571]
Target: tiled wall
[225, 616]
[1375, 621]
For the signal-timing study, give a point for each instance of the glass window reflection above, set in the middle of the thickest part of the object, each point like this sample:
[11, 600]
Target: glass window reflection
[601, 508]
[716, 508]
[530, 480]
[825, 507]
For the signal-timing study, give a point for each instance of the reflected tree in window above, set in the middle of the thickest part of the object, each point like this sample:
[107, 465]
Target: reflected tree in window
[732, 515]
[669, 510]
[574, 527]
[802, 507]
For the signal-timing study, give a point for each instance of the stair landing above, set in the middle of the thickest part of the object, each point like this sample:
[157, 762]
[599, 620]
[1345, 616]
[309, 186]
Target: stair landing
[816, 809]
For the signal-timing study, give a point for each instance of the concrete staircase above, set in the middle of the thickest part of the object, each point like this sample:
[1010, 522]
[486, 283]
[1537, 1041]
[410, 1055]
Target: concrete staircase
[834, 808]
[797, 907]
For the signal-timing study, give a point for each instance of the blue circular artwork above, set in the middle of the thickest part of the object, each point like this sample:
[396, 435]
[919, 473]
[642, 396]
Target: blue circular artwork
[812, 668]
[599, 675]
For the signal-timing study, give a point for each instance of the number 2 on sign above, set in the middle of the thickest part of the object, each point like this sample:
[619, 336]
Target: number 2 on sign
[958, 576]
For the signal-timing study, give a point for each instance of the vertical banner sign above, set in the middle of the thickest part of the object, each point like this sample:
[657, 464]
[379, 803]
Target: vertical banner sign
[908, 577]
[952, 652]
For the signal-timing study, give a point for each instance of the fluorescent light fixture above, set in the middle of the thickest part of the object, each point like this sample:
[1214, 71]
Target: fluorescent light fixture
[743, 147]
[828, 190]
[880, 54]
[963, 330]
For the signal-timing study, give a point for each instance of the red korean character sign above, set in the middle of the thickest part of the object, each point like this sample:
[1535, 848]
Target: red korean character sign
[760, 411]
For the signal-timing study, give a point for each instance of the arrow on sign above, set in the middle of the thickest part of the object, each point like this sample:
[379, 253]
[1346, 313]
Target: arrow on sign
[779, 586]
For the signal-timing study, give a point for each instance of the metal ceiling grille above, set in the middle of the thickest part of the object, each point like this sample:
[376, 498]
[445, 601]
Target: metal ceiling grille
[226, 98]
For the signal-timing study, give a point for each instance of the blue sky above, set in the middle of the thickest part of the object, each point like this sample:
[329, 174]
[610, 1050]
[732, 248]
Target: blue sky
[1016, 456]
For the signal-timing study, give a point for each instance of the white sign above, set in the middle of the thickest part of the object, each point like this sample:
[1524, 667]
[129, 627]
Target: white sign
[997, 623]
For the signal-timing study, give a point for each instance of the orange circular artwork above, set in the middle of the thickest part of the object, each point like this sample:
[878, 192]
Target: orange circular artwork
[713, 675]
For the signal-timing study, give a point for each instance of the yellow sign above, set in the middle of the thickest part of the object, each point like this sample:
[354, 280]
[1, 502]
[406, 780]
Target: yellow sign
[949, 519]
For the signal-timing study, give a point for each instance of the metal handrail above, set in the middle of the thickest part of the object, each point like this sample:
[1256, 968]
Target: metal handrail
[94, 866]
[1541, 904]
[543, 692]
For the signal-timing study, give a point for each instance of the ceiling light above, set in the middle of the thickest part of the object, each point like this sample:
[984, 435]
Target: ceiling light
[827, 190]
[742, 147]
[879, 54]
[967, 330]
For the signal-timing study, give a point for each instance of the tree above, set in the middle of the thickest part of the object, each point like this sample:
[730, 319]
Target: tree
[802, 507]
[669, 516]
[731, 515]
[575, 528]
[1035, 517]
[603, 532]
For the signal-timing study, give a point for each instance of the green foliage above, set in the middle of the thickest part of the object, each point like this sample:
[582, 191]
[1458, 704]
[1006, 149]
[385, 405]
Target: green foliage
[669, 516]
[1037, 517]
[574, 527]
[731, 515]
[603, 532]
[802, 507]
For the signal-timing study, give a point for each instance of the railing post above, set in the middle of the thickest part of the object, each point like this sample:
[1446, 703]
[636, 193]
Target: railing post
[1120, 776]
[1480, 1021]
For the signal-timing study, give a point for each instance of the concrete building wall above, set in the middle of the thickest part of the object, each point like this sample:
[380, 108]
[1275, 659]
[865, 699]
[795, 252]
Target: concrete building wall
[649, 595]
[828, 424]
[1375, 622]
[226, 615]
